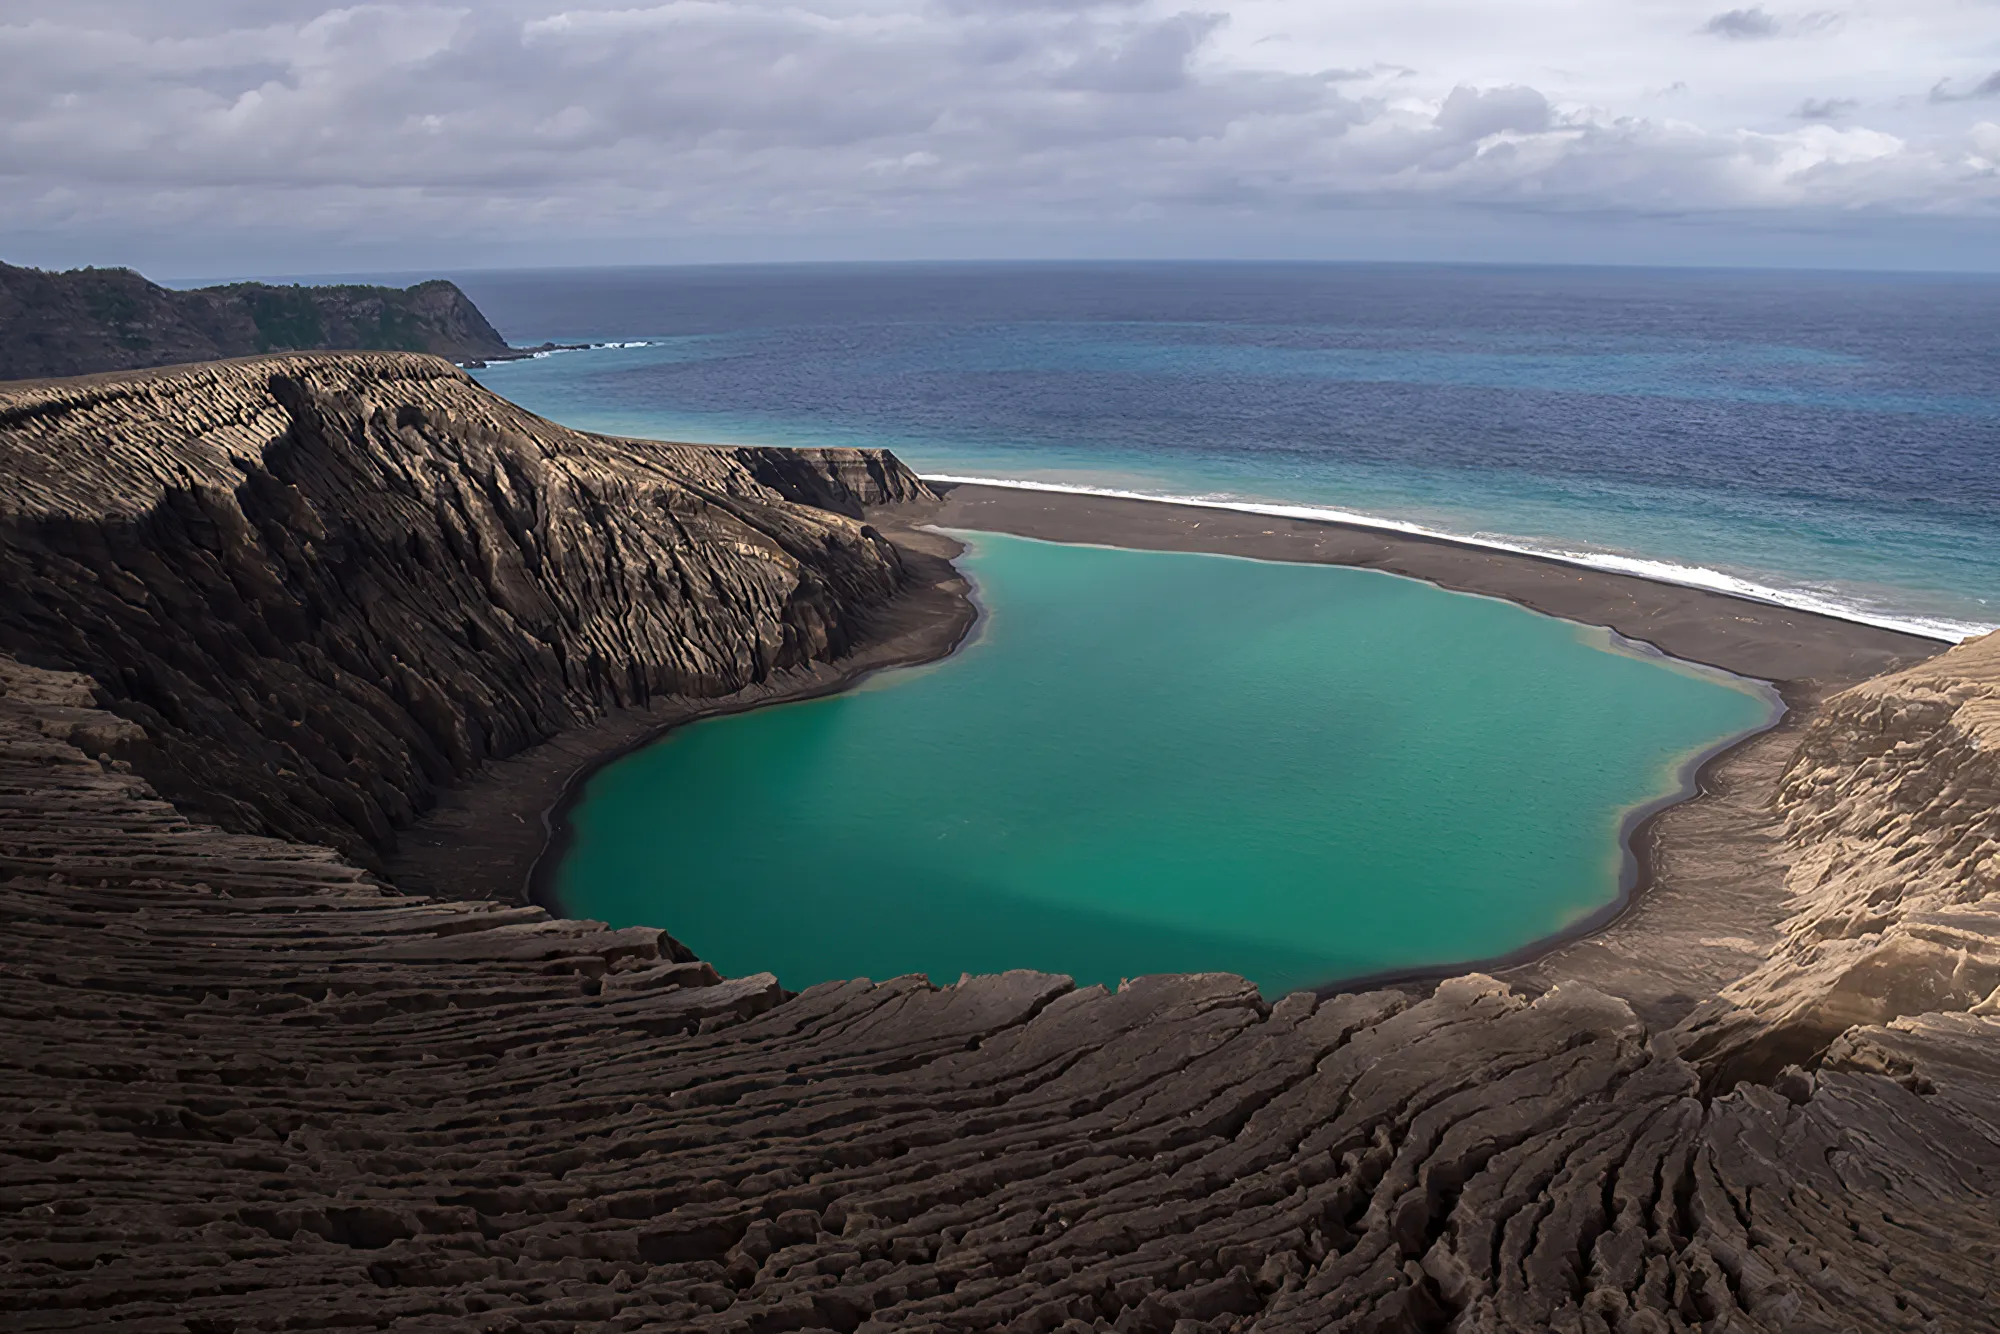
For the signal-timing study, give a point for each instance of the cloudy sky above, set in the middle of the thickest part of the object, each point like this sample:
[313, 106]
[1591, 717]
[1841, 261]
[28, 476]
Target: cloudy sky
[219, 137]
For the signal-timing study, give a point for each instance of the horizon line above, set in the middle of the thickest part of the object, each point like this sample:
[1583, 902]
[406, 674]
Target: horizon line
[300, 277]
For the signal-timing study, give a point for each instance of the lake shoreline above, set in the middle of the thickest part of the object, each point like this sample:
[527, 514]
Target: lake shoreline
[515, 817]
[1637, 842]
[1762, 640]
[1708, 891]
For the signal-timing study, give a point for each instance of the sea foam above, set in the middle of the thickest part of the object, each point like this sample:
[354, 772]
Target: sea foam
[1818, 601]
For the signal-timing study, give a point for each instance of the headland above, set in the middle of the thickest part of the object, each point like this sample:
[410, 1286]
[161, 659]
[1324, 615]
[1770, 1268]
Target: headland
[88, 321]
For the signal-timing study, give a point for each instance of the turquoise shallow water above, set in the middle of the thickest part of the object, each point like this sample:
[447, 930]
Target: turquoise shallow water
[1151, 762]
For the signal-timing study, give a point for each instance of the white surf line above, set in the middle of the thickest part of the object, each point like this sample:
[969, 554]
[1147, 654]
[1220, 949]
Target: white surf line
[1663, 572]
[540, 354]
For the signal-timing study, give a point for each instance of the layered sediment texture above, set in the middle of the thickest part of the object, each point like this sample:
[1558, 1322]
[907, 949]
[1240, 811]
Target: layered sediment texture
[1892, 805]
[248, 1087]
[324, 586]
[245, 1085]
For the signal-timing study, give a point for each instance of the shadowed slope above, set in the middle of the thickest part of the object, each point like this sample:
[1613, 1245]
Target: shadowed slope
[326, 586]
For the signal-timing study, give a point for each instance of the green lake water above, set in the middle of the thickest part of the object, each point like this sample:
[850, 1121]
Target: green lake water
[1154, 762]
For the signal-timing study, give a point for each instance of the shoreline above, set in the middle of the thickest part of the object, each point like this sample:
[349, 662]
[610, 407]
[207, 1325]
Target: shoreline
[1762, 640]
[1654, 571]
[514, 818]
[1635, 877]
[903, 646]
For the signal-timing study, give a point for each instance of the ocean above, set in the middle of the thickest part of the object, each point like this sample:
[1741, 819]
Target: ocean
[1828, 441]
[1163, 762]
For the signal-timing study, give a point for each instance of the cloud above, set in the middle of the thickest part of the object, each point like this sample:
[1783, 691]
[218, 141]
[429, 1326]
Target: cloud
[1752, 22]
[1986, 87]
[1470, 113]
[570, 118]
[1142, 57]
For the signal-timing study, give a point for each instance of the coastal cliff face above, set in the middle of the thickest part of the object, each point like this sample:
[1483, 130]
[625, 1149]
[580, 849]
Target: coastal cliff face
[1892, 808]
[89, 320]
[321, 587]
[247, 1085]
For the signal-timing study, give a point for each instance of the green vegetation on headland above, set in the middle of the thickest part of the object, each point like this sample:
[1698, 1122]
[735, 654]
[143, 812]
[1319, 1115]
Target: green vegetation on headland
[88, 320]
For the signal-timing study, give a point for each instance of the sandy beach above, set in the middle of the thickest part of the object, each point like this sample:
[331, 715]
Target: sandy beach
[1708, 893]
[1751, 638]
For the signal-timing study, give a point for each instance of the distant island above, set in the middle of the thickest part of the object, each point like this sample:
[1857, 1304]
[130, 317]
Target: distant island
[89, 320]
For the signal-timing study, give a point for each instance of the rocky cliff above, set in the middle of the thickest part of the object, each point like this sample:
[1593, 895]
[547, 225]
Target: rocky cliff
[89, 320]
[246, 1085]
[1892, 807]
[324, 586]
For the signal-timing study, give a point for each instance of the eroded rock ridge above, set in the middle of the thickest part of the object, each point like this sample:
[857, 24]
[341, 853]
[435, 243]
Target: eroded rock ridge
[1892, 807]
[324, 586]
[246, 1085]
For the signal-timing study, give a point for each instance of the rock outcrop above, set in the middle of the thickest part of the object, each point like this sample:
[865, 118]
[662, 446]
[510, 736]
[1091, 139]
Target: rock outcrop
[247, 1085]
[846, 481]
[326, 586]
[89, 320]
[1892, 807]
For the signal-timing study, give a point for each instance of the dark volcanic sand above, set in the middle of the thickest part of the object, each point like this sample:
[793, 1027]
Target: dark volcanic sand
[1710, 892]
[1737, 634]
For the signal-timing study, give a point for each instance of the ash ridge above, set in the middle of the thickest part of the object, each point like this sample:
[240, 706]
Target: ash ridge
[251, 1085]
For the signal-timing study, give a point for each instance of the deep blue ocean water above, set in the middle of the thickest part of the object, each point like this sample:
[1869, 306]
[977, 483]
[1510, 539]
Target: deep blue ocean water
[1826, 440]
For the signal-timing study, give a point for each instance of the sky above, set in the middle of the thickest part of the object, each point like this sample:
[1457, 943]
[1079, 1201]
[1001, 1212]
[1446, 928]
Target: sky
[230, 137]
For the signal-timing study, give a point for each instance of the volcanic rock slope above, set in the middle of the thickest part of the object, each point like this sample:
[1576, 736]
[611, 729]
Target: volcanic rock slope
[323, 586]
[1893, 802]
[249, 1086]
